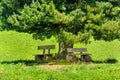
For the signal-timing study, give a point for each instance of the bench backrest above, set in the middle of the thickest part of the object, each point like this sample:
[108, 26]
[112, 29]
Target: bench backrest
[70, 50]
[46, 47]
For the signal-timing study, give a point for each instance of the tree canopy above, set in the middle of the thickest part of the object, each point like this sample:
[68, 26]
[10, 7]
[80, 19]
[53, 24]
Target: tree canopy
[99, 19]
[69, 20]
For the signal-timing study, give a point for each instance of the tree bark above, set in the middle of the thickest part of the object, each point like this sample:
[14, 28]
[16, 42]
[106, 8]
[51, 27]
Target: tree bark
[62, 52]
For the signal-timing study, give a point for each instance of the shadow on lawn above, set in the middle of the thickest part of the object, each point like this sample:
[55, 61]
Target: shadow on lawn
[33, 62]
[26, 62]
[109, 61]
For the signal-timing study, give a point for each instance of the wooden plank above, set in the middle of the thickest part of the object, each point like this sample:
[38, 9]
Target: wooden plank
[46, 47]
[76, 49]
[43, 51]
[48, 51]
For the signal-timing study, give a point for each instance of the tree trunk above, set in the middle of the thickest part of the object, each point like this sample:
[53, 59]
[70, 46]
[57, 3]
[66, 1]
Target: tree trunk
[62, 52]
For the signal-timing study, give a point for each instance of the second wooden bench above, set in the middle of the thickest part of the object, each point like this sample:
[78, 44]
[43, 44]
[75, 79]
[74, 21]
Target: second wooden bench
[85, 57]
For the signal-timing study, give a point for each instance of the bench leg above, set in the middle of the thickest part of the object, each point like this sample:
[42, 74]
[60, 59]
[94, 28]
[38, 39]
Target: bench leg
[48, 57]
[85, 58]
[72, 58]
[39, 57]
[43, 57]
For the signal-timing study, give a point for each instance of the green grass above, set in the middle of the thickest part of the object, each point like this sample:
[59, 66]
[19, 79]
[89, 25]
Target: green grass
[17, 50]
[101, 50]
[72, 72]
[20, 46]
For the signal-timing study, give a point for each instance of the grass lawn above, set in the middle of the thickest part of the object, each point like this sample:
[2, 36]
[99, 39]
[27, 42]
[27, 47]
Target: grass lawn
[16, 58]
[60, 72]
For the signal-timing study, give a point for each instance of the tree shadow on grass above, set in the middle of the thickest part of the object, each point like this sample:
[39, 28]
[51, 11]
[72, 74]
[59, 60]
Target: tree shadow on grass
[109, 61]
[26, 62]
[33, 62]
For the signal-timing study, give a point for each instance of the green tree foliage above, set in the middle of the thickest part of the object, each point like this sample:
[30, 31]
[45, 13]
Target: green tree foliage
[8, 8]
[69, 20]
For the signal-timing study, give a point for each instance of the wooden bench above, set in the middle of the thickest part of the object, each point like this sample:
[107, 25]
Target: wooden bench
[44, 55]
[85, 57]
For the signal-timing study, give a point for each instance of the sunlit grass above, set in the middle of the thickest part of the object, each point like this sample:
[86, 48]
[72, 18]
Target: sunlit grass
[101, 50]
[21, 46]
[68, 72]
[17, 50]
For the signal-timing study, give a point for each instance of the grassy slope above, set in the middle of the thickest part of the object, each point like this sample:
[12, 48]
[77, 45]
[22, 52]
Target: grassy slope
[16, 46]
[101, 50]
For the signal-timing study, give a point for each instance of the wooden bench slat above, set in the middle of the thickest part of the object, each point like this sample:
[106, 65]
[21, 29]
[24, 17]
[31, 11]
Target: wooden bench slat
[46, 47]
[76, 50]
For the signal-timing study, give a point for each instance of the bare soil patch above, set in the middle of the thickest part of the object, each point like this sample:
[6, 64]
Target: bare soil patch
[52, 67]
